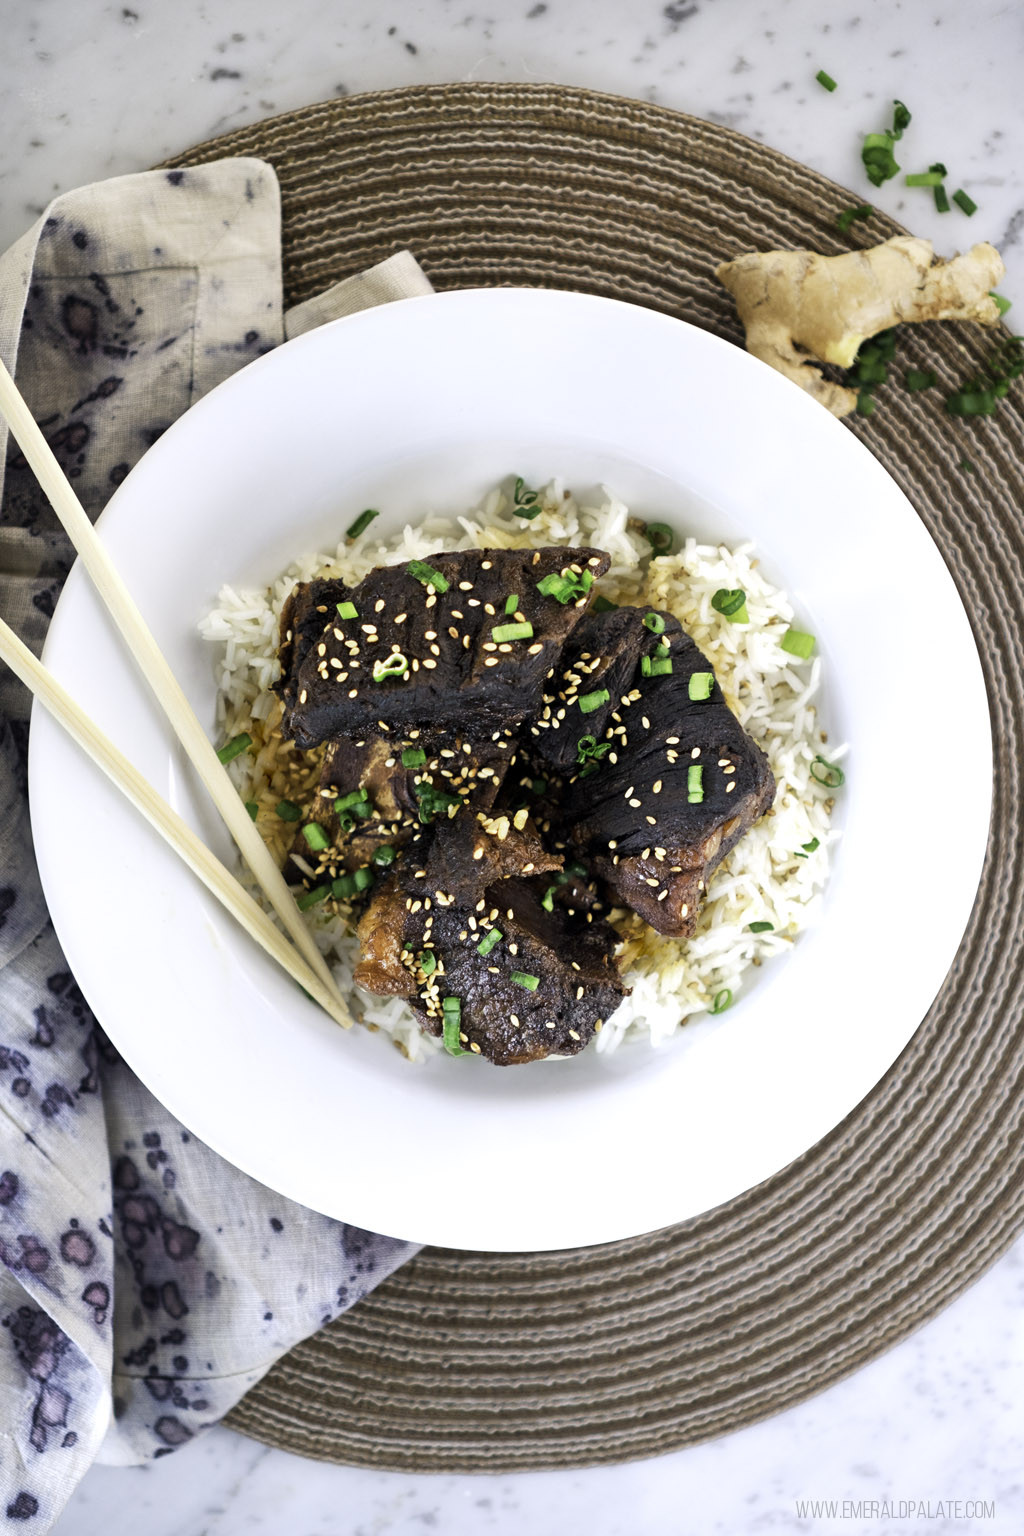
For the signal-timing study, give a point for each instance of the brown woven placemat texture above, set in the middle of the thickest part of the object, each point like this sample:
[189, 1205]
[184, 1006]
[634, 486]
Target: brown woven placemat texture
[474, 1362]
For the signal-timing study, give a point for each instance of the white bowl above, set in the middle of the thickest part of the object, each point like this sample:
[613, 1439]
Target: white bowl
[423, 405]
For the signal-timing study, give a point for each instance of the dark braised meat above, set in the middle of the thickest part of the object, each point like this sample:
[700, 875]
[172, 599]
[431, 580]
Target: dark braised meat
[463, 929]
[675, 785]
[420, 647]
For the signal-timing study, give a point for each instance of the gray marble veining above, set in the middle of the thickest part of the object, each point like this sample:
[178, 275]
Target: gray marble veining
[93, 90]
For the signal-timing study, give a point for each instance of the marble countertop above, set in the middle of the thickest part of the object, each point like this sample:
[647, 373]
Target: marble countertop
[93, 90]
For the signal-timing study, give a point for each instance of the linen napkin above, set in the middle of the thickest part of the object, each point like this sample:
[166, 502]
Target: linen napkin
[147, 1284]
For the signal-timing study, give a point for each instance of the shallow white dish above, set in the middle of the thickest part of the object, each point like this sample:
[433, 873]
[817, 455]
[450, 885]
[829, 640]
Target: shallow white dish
[421, 406]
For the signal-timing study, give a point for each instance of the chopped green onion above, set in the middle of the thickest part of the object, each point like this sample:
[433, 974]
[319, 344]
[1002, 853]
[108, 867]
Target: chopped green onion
[413, 757]
[602, 604]
[865, 404]
[812, 846]
[901, 119]
[343, 887]
[1001, 304]
[384, 855]
[797, 643]
[252, 808]
[524, 979]
[347, 610]
[722, 1001]
[585, 746]
[315, 836]
[576, 869]
[695, 783]
[761, 927]
[538, 786]
[846, 218]
[731, 604]
[345, 802]
[427, 961]
[965, 464]
[312, 898]
[453, 1034]
[451, 1005]
[394, 666]
[553, 585]
[878, 159]
[939, 168]
[661, 537]
[433, 801]
[547, 900]
[941, 200]
[491, 938]
[512, 603]
[971, 402]
[825, 80]
[919, 378]
[700, 685]
[288, 810]
[655, 666]
[655, 623]
[361, 523]
[525, 504]
[967, 204]
[827, 773]
[503, 632]
[588, 702]
[925, 179]
[363, 878]
[237, 744]
[428, 576]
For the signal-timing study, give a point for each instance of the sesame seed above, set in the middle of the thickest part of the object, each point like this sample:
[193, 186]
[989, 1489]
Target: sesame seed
[321, 650]
[656, 786]
[730, 786]
[635, 803]
[492, 661]
[473, 1046]
[662, 895]
[573, 1034]
[429, 663]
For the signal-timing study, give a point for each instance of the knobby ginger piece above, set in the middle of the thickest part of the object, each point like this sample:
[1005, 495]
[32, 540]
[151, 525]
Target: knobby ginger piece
[797, 304]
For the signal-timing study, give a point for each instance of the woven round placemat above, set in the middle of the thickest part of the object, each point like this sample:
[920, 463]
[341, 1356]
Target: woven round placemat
[474, 1362]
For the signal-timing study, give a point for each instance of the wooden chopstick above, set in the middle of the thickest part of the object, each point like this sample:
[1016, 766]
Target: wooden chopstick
[155, 669]
[176, 832]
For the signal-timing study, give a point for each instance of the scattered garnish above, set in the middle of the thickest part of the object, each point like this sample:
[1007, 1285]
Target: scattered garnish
[980, 395]
[384, 855]
[661, 538]
[428, 576]
[700, 685]
[313, 898]
[827, 773]
[413, 757]
[252, 808]
[347, 610]
[731, 604]
[394, 665]
[722, 1001]
[427, 961]
[512, 602]
[232, 748]
[288, 810]
[825, 80]
[761, 927]
[655, 623]
[919, 378]
[361, 524]
[433, 801]
[602, 604]
[451, 1014]
[490, 939]
[504, 632]
[588, 702]
[967, 204]
[695, 783]
[316, 837]
[797, 643]
[350, 801]
[846, 218]
[925, 179]
[525, 503]
[524, 979]
[547, 901]
[1001, 304]
[809, 847]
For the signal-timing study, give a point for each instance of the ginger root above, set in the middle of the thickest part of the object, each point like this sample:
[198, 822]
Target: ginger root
[797, 305]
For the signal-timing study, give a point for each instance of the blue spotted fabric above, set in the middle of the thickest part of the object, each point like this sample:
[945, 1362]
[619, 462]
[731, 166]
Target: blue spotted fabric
[146, 1284]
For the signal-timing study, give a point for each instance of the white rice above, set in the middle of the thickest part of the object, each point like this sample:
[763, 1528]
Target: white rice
[767, 878]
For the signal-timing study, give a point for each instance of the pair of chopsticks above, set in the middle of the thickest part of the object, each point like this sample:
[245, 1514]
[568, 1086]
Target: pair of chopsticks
[305, 964]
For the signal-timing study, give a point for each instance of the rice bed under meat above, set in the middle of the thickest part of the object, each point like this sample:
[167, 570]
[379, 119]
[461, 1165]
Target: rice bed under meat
[767, 878]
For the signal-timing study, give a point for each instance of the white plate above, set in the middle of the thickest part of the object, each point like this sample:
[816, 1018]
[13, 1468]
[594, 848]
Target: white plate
[420, 406]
